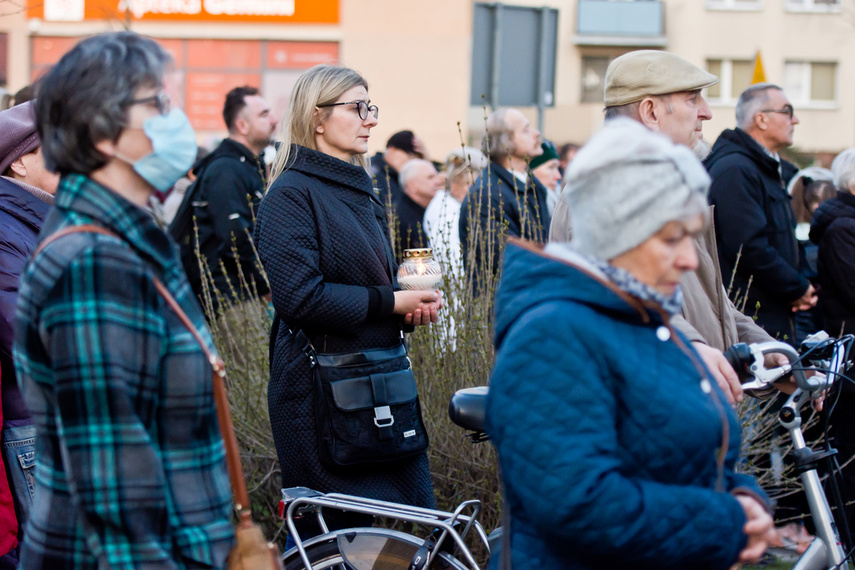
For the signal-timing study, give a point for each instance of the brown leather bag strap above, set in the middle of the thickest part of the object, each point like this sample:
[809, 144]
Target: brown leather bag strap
[84, 228]
[227, 430]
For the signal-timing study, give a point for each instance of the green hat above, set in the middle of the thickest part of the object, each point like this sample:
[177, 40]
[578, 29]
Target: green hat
[548, 154]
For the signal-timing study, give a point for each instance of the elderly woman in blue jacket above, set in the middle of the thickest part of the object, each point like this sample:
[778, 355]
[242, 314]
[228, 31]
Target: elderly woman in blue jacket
[617, 447]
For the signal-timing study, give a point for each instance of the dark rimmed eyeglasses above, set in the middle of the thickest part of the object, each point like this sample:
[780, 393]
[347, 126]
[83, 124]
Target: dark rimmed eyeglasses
[362, 108]
[786, 110]
[161, 102]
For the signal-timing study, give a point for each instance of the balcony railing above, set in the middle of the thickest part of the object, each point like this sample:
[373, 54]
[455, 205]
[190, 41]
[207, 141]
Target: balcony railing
[620, 23]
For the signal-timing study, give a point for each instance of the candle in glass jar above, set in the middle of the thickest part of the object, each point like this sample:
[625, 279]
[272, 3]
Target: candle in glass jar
[419, 271]
[419, 282]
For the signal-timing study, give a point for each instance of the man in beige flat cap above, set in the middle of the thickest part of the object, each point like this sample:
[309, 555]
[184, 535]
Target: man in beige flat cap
[663, 92]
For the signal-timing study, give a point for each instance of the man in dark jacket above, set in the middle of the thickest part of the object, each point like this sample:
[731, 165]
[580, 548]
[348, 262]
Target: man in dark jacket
[419, 183]
[26, 195]
[230, 184]
[386, 166]
[506, 200]
[754, 221]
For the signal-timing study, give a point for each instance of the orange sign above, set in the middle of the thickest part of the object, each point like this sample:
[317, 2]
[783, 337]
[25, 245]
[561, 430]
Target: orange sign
[268, 11]
[205, 70]
[206, 93]
[300, 55]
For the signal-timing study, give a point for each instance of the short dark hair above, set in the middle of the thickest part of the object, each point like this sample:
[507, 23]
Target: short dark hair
[84, 98]
[567, 147]
[403, 140]
[25, 93]
[235, 103]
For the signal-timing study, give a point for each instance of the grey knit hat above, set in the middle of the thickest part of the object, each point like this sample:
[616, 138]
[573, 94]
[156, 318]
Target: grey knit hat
[626, 183]
[18, 134]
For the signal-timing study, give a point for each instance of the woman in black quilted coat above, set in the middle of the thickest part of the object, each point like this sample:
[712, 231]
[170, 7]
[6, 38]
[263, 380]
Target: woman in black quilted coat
[322, 237]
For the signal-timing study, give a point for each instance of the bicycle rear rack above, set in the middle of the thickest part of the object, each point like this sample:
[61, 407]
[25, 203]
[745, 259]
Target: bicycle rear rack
[296, 507]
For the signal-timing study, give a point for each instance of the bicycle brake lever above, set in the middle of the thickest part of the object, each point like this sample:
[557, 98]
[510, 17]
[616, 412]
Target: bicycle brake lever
[765, 377]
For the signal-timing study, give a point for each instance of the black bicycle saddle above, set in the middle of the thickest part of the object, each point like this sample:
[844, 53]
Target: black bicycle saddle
[468, 407]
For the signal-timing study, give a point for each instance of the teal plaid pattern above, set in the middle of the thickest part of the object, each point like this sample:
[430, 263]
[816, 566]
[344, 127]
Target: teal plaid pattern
[130, 465]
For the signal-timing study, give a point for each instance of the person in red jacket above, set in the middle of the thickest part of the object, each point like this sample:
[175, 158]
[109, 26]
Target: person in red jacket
[26, 195]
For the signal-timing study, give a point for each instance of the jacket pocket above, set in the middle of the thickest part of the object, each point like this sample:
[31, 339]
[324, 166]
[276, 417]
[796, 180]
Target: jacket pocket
[19, 445]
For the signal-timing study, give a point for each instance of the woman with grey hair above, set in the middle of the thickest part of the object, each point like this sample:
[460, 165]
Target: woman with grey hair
[617, 447]
[130, 462]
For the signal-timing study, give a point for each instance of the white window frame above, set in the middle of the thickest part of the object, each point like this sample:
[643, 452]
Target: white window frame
[733, 5]
[813, 6]
[806, 80]
[599, 101]
[726, 82]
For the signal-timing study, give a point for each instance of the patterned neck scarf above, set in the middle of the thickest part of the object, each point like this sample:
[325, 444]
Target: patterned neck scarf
[625, 281]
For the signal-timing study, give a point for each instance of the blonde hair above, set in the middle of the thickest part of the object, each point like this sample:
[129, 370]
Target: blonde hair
[320, 85]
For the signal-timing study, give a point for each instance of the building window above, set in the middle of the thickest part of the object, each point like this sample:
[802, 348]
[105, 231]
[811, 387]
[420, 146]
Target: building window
[593, 78]
[813, 5]
[812, 84]
[735, 4]
[735, 76]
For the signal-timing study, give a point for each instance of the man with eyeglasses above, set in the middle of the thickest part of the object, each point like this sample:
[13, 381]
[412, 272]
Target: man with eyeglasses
[229, 186]
[754, 221]
[506, 200]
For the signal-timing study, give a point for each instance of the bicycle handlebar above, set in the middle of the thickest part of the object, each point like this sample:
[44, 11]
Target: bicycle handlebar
[749, 362]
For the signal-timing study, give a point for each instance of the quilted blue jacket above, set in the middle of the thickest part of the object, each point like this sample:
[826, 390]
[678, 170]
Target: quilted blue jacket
[609, 432]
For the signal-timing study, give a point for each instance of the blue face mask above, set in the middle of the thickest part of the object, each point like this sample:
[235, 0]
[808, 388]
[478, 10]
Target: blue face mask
[174, 149]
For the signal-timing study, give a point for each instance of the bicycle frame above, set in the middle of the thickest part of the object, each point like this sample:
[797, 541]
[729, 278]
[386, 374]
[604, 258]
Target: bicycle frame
[826, 551]
[442, 520]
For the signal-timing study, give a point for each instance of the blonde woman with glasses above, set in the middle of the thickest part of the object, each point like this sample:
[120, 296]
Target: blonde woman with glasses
[323, 239]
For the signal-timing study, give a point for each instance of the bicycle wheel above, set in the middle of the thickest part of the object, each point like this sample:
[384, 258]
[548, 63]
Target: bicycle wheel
[364, 549]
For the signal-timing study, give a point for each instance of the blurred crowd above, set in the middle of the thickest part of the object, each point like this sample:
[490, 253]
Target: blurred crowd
[631, 262]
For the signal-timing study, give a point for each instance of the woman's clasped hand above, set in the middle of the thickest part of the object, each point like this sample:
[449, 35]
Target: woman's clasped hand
[418, 307]
[759, 528]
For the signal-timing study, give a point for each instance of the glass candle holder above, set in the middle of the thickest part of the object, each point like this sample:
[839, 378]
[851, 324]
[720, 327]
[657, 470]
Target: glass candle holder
[419, 271]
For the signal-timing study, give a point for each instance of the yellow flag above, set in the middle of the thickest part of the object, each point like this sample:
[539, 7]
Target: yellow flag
[759, 76]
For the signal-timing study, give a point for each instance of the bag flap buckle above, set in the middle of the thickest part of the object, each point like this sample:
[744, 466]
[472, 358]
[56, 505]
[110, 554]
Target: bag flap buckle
[383, 417]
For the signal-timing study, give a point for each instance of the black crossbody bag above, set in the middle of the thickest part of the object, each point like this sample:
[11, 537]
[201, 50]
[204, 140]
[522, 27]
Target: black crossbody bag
[366, 406]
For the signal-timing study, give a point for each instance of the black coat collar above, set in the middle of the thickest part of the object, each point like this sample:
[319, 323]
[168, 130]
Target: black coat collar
[320, 165]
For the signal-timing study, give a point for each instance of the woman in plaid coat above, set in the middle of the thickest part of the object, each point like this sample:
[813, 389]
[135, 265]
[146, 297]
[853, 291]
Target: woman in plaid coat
[130, 469]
